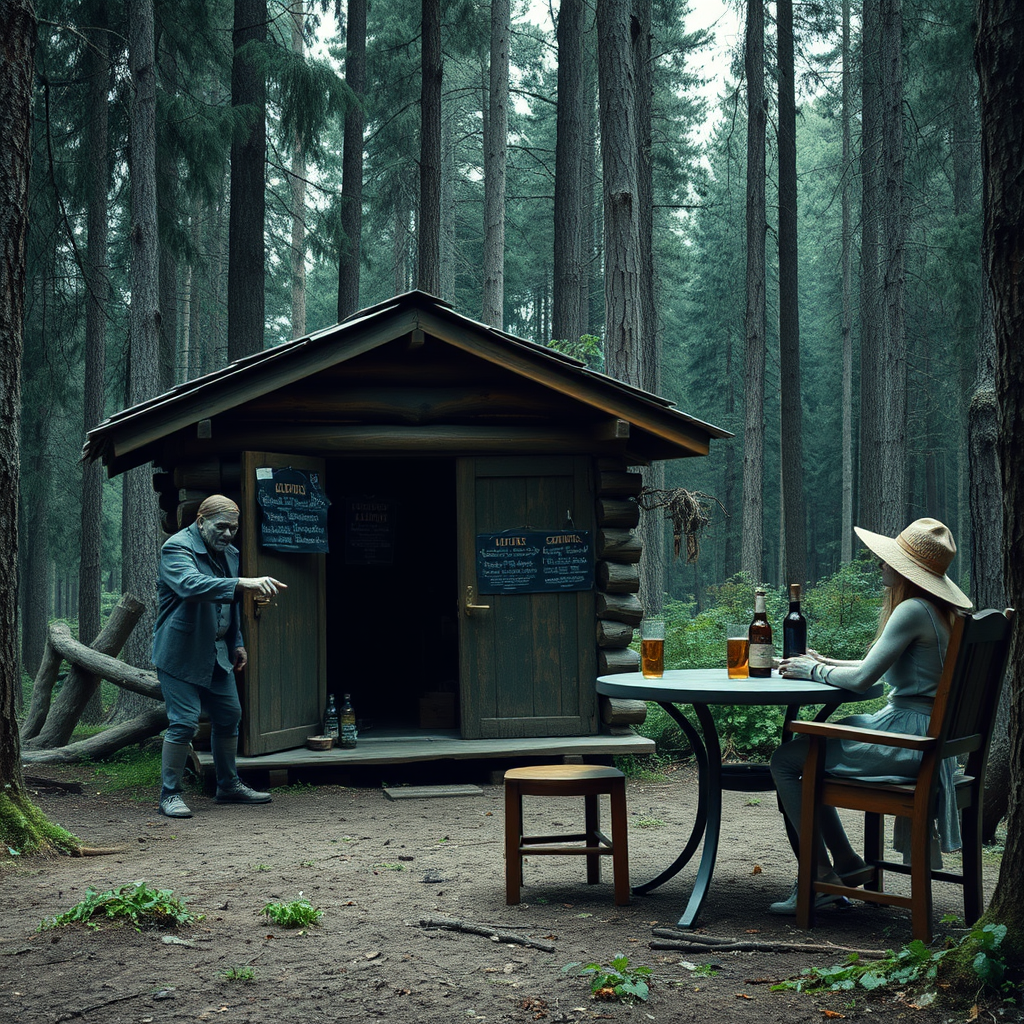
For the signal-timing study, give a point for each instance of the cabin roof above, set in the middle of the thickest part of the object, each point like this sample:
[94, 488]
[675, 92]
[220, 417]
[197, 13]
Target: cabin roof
[132, 436]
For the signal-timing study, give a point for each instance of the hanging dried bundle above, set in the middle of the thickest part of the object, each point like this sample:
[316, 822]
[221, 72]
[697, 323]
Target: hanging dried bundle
[690, 512]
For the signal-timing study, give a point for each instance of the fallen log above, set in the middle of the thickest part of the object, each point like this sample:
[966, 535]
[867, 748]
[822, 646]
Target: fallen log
[494, 934]
[105, 743]
[62, 717]
[42, 692]
[138, 680]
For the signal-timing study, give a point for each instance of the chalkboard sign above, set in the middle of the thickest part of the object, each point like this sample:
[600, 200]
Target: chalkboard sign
[534, 561]
[293, 510]
[370, 531]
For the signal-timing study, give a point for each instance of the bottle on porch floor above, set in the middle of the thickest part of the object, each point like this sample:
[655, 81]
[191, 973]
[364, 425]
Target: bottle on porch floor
[348, 724]
[331, 726]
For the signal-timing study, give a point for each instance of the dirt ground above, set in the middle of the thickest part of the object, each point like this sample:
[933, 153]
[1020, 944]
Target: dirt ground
[378, 868]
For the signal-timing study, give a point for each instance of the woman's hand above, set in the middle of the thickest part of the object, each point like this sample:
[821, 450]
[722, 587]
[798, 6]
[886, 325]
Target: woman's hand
[799, 667]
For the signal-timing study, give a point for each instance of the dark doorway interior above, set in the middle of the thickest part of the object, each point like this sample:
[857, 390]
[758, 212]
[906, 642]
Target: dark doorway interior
[392, 629]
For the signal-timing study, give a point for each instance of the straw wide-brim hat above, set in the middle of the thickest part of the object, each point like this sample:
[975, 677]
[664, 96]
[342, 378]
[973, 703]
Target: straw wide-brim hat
[921, 553]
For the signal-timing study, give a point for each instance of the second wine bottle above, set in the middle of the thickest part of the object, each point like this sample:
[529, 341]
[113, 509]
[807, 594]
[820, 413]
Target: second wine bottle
[760, 636]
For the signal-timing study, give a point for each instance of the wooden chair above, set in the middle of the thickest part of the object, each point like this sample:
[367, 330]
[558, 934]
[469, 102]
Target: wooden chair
[587, 781]
[961, 723]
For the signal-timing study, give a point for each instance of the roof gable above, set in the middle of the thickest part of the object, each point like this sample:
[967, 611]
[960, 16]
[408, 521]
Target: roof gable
[131, 437]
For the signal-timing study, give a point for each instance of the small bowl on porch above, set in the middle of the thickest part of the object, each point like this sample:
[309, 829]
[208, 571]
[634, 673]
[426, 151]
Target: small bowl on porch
[319, 742]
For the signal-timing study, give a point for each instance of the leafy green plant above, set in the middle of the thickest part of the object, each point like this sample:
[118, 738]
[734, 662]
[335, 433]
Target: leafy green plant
[240, 974]
[136, 902]
[915, 963]
[298, 914]
[705, 971]
[619, 981]
[648, 823]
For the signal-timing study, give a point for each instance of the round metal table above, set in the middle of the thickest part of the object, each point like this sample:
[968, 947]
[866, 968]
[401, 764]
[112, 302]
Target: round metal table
[701, 688]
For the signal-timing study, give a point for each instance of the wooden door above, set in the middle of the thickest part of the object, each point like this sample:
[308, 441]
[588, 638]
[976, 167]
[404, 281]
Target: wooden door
[285, 684]
[527, 662]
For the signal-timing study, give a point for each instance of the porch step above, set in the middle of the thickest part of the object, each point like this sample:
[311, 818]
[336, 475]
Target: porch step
[381, 747]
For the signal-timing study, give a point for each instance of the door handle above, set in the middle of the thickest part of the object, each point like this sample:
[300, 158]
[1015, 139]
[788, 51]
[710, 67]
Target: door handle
[470, 606]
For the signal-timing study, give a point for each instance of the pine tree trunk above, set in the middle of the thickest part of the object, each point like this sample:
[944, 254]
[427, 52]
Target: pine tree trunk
[1000, 61]
[756, 324]
[893, 356]
[90, 578]
[140, 515]
[247, 217]
[298, 190]
[569, 220]
[428, 259]
[495, 159]
[16, 79]
[616, 86]
[846, 537]
[352, 161]
[870, 498]
[794, 549]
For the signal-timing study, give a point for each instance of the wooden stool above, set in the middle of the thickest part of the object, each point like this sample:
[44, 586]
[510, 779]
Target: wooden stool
[587, 781]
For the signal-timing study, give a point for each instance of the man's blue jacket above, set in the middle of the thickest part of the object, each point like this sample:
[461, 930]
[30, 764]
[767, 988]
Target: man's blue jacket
[189, 590]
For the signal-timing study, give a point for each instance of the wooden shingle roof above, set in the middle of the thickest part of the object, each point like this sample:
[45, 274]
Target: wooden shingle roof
[133, 436]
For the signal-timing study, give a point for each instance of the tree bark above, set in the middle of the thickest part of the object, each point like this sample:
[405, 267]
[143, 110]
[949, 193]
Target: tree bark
[567, 316]
[16, 74]
[352, 161]
[616, 87]
[97, 288]
[870, 503]
[495, 160]
[298, 182]
[752, 556]
[794, 527]
[428, 261]
[1000, 60]
[140, 516]
[893, 509]
[247, 215]
[846, 536]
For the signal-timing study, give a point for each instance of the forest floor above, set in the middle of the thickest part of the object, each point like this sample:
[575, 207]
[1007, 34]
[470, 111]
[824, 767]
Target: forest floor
[379, 868]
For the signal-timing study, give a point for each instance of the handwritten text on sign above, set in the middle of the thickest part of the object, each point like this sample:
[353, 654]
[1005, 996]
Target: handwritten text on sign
[534, 561]
[293, 510]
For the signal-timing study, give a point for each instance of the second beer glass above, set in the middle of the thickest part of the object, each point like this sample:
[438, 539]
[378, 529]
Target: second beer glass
[652, 648]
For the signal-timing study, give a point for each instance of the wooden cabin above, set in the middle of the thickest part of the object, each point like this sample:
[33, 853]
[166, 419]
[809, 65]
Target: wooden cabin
[450, 507]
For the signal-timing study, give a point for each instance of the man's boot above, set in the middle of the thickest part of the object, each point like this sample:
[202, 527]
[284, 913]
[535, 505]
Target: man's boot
[230, 788]
[172, 771]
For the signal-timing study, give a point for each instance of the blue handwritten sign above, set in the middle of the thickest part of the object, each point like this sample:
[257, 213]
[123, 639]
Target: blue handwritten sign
[534, 561]
[293, 510]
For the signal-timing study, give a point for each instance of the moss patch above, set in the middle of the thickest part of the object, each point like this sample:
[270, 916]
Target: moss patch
[24, 829]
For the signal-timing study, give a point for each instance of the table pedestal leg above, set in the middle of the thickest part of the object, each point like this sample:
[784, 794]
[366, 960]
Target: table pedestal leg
[710, 783]
[700, 820]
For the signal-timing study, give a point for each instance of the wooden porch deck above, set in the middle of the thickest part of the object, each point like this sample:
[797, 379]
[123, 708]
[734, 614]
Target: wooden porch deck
[402, 746]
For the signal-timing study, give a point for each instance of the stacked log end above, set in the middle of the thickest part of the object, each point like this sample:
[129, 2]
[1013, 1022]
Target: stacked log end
[617, 583]
[182, 491]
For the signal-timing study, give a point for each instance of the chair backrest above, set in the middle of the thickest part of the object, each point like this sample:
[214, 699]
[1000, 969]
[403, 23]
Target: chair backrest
[965, 702]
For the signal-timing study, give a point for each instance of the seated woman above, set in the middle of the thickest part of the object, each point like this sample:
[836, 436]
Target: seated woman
[909, 649]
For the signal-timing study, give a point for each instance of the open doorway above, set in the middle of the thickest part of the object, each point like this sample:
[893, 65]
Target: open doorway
[392, 615]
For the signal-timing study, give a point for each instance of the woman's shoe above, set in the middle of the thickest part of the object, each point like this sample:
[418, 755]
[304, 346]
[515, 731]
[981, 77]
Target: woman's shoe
[787, 907]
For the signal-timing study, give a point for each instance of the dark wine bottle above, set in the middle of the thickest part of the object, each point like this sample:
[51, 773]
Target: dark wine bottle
[794, 626]
[760, 636]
